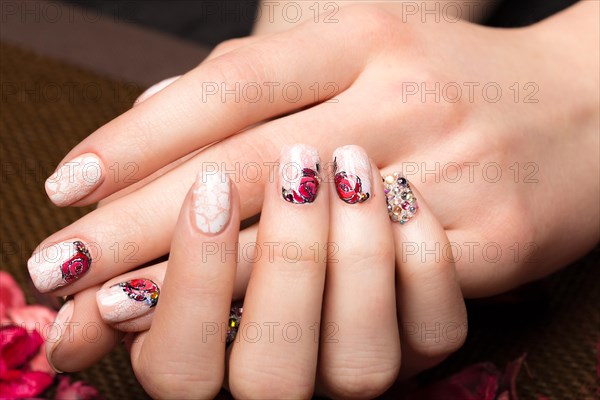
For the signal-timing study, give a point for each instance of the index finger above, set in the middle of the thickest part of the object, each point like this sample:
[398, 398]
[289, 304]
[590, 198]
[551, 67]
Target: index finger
[220, 97]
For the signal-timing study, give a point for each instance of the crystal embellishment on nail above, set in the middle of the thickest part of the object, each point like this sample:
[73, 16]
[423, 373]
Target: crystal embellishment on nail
[299, 173]
[141, 290]
[59, 265]
[401, 202]
[349, 164]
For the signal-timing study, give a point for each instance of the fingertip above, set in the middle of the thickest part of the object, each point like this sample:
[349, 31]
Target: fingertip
[152, 90]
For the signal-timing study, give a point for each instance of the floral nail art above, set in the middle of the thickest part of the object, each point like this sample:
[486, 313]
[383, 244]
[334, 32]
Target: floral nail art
[299, 174]
[142, 290]
[401, 202]
[59, 265]
[127, 300]
[349, 164]
[77, 265]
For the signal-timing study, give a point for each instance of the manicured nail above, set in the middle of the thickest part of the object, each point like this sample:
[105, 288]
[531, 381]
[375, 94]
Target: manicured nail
[352, 170]
[299, 167]
[401, 202]
[75, 179]
[58, 330]
[211, 207]
[157, 87]
[127, 300]
[59, 265]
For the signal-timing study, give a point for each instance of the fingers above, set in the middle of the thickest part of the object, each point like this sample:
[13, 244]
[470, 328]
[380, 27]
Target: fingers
[137, 228]
[183, 353]
[78, 337]
[215, 100]
[276, 346]
[360, 347]
[127, 302]
[430, 303]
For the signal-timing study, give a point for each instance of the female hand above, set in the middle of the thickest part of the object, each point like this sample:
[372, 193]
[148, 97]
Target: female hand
[321, 306]
[503, 176]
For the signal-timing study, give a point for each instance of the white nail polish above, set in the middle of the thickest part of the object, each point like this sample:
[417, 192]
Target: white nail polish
[211, 208]
[75, 179]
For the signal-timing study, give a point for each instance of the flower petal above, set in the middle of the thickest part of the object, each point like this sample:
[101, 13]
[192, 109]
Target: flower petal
[24, 384]
[17, 346]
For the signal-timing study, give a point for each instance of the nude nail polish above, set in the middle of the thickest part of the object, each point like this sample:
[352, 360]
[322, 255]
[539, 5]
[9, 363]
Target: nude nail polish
[75, 179]
[299, 168]
[127, 300]
[352, 174]
[211, 208]
[58, 330]
[59, 264]
[157, 87]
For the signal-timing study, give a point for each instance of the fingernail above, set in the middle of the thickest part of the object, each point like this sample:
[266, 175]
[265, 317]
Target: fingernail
[127, 300]
[157, 87]
[352, 170]
[299, 167]
[211, 207]
[59, 264]
[58, 330]
[75, 179]
[401, 202]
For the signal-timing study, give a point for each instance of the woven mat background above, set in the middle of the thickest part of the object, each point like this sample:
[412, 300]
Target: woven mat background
[47, 107]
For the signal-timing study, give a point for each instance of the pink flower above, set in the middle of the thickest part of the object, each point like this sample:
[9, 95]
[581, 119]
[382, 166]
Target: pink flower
[17, 347]
[75, 391]
[14, 311]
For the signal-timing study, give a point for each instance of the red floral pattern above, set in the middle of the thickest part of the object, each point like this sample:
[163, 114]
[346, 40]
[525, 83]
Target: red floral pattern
[307, 188]
[349, 188]
[142, 290]
[76, 266]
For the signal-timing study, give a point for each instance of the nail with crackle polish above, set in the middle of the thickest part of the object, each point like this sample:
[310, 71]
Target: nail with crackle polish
[75, 179]
[211, 207]
[352, 174]
[127, 300]
[299, 167]
[58, 330]
[59, 264]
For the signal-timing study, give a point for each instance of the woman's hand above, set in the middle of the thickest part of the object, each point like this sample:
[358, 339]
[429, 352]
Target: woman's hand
[513, 183]
[322, 303]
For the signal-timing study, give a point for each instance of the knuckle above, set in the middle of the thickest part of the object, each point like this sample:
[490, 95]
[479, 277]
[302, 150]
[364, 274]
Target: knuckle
[437, 342]
[228, 45]
[161, 384]
[259, 383]
[366, 379]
